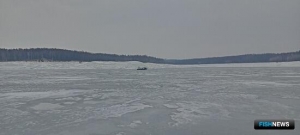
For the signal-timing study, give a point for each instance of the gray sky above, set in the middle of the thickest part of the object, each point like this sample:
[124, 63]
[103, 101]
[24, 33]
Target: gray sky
[161, 28]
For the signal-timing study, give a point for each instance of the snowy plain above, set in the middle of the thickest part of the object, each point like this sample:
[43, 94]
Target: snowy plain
[113, 98]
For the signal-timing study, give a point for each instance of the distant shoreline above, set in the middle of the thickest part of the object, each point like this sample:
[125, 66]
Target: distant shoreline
[62, 55]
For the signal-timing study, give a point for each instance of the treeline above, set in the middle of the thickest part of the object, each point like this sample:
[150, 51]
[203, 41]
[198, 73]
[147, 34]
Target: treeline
[45, 54]
[53, 54]
[248, 58]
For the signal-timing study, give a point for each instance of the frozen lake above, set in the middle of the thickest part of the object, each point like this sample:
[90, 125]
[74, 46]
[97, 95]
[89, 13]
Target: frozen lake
[108, 98]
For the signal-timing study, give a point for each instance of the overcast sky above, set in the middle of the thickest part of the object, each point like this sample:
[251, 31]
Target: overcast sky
[161, 28]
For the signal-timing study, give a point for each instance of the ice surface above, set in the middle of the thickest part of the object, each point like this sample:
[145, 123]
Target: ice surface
[113, 98]
[46, 106]
[135, 124]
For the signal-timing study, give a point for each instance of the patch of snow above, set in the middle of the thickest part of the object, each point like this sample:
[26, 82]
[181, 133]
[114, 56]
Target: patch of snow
[91, 102]
[47, 106]
[134, 124]
[171, 106]
[69, 103]
[121, 133]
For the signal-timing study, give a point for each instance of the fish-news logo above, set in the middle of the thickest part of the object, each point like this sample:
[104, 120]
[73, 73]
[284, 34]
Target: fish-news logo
[274, 124]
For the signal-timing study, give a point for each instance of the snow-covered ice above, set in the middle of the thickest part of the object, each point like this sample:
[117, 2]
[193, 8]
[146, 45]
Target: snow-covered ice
[46, 106]
[113, 98]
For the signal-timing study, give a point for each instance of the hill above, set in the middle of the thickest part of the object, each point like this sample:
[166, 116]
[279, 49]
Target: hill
[247, 58]
[53, 54]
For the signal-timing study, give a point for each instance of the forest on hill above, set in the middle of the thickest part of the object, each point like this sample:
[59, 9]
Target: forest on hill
[247, 58]
[53, 54]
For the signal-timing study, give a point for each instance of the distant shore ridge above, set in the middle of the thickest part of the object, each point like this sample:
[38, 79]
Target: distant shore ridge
[63, 55]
